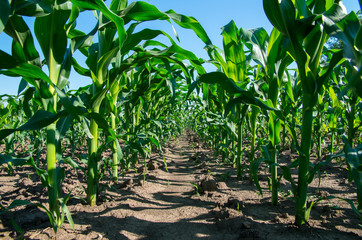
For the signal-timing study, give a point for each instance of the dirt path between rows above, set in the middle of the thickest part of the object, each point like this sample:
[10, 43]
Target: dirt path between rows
[165, 205]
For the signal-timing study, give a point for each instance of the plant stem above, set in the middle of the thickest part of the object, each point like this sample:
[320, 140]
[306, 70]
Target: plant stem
[92, 163]
[253, 116]
[352, 114]
[274, 175]
[239, 146]
[319, 136]
[302, 190]
[114, 150]
[52, 175]
[332, 140]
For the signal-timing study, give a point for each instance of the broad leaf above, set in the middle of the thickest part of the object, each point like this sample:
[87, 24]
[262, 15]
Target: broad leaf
[19, 31]
[4, 13]
[99, 5]
[40, 120]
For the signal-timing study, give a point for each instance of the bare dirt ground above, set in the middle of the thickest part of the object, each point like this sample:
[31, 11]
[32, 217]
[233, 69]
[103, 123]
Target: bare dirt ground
[166, 204]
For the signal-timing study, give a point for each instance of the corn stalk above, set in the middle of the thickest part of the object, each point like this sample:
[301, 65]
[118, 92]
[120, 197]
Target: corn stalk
[306, 45]
[51, 35]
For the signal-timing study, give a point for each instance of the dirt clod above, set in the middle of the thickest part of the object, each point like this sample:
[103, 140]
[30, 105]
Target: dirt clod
[125, 184]
[234, 203]
[208, 184]
[152, 166]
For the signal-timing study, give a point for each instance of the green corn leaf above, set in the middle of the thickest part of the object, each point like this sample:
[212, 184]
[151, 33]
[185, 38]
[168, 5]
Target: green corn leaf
[289, 89]
[278, 129]
[317, 167]
[142, 11]
[68, 104]
[248, 99]
[234, 53]
[354, 159]
[74, 14]
[80, 40]
[288, 176]
[337, 59]
[192, 87]
[99, 5]
[273, 91]
[358, 39]
[63, 125]
[154, 141]
[16, 203]
[28, 71]
[174, 53]
[333, 96]
[22, 85]
[322, 6]
[254, 168]
[190, 23]
[220, 78]
[275, 128]
[214, 54]
[258, 39]
[48, 32]
[98, 98]
[301, 6]
[350, 202]
[19, 31]
[74, 164]
[145, 34]
[281, 14]
[28, 95]
[79, 69]
[40, 120]
[4, 13]
[331, 17]
[67, 212]
[307, 212]
[29, 161]
[17, 227]
[117, 5]
[350, 26]
[314, 43]
[102, 123]
[7, 61]
[65, 70]
[52, 37]
[17, 52]
[13, 161]
[33, 8]
[103, 65]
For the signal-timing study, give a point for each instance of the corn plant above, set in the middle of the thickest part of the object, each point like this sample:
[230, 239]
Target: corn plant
[234, 68]
[111, 49]
[50, 19]
[306, 46]
[269, 53]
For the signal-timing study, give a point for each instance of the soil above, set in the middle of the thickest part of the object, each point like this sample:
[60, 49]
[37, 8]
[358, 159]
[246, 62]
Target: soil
[195, 197]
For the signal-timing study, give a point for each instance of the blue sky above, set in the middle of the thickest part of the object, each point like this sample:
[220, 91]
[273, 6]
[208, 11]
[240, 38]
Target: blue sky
[212, 14]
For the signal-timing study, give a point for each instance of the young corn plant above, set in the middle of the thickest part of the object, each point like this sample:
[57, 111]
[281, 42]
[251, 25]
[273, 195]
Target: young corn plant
[233, 75]
[269, 53]
[49, 27]
[112, 49]
[306, 42]
[233, 80]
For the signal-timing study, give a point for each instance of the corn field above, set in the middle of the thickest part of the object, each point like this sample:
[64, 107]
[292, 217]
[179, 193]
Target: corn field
[295, 90]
